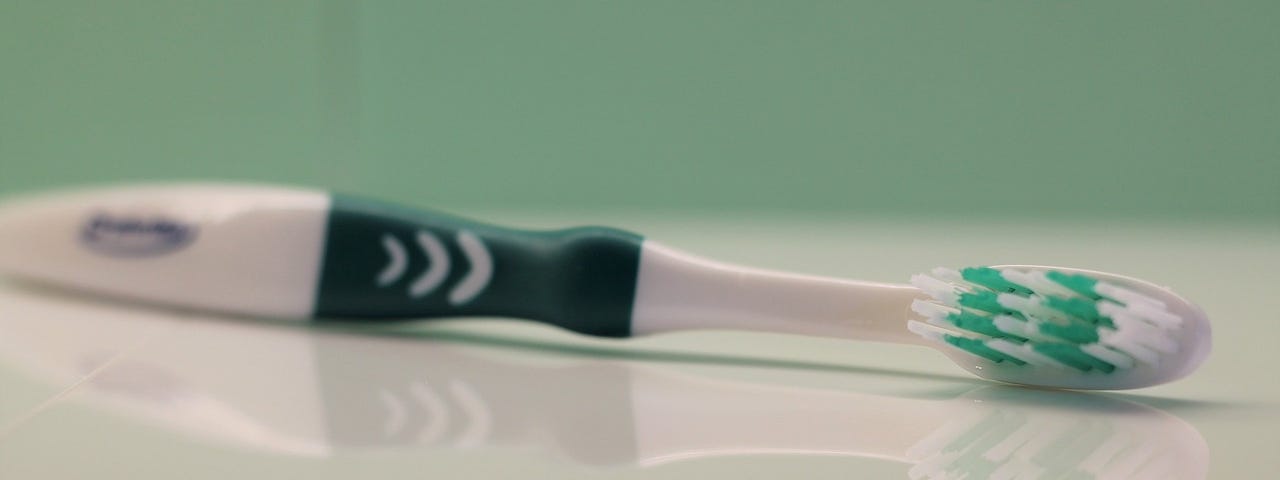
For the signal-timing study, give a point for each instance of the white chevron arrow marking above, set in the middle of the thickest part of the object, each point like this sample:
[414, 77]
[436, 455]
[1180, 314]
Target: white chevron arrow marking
[436, 270]
[481, 269]
[397, 260]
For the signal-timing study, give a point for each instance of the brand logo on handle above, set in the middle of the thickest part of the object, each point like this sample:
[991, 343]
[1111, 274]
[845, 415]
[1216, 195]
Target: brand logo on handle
[135, 236]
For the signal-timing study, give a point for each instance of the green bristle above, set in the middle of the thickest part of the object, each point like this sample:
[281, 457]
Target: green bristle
[1075, 333]
[979, 348]
[1072, 356]
[991, 278]
[984, 301]
[980, 324]
[1081, 284]
[1079, 308]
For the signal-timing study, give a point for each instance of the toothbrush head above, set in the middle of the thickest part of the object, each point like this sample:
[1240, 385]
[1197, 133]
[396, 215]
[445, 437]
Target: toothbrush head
[1060, 327]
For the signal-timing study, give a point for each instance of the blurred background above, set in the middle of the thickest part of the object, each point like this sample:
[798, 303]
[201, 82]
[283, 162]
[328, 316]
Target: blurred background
[1142, 110]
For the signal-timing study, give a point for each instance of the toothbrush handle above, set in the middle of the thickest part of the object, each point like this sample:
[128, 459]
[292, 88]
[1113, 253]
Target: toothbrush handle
[292, 253]
[383, 261]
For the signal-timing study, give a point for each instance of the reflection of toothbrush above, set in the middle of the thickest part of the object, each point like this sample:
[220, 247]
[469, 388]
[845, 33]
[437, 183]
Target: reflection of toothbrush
[292, 253]
[341, 394]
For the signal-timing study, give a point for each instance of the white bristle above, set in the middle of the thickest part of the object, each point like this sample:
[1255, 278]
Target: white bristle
[941, 291]
[929, 309]
[1036, 281]
[939, 322]
[1125, 343]
[1023, 352]
[947, 275]
[1029, 329]
[1128, 297]
[1017, 327]
[1129, 342]
[1126, 320]
[1108, 355]
[1016, 302]
[925, 330]
[1031, 306]
[1155, 315]
[1144, 334]
[1149, 314]
[1111, 310]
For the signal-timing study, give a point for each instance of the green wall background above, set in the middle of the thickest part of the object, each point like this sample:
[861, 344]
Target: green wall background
[1165, 109]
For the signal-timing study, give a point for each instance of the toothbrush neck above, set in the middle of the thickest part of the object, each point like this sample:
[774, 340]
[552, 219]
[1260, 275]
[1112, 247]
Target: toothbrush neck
[679, 291]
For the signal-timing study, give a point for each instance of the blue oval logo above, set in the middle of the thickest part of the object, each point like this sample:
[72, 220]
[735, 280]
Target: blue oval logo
[120, 236]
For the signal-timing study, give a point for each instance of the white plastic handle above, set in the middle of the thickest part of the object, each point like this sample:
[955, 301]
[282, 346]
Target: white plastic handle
[245, 249]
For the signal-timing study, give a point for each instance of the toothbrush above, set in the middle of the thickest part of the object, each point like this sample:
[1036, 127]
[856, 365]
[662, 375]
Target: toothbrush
[292, 253]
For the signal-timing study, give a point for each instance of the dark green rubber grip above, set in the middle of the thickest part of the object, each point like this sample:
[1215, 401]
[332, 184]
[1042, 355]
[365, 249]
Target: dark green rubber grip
[385, 262]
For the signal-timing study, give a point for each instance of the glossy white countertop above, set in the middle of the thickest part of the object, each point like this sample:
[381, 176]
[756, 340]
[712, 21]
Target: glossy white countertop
[91, 388]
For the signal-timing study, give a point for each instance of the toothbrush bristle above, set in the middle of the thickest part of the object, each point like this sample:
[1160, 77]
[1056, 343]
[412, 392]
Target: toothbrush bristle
[1044, 318]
